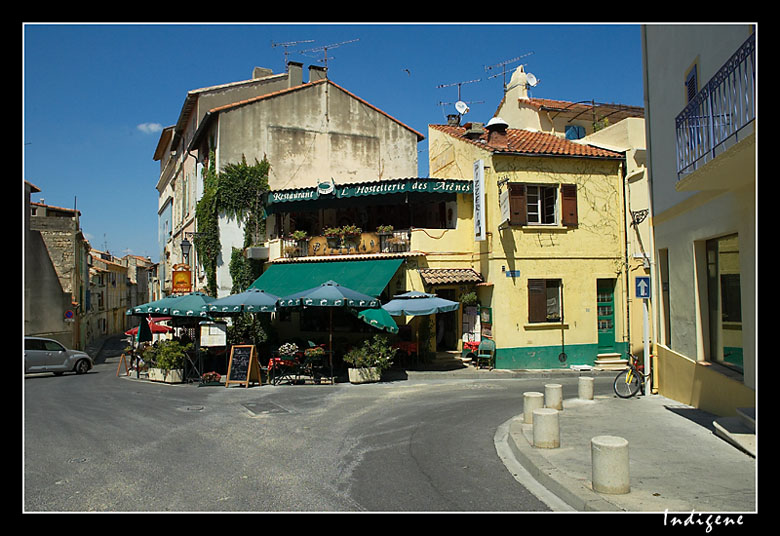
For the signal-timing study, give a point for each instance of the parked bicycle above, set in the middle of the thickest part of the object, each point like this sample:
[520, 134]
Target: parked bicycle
[632, 380]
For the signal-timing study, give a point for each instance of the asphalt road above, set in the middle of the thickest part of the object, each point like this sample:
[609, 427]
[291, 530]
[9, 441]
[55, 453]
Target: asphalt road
[101, 443]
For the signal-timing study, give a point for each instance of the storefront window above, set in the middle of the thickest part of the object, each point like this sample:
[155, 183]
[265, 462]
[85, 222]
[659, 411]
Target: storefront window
[724, 301]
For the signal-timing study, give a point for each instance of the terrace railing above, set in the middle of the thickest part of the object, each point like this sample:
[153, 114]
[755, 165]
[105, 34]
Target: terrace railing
[720, 113]
[389, 242]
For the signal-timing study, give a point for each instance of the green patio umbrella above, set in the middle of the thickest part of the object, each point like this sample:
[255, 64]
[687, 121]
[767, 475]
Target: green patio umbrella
[378, 318]
[329, 294]
[252, 300]
[144, 333]
[154, 308]
[187, 305]
[190, 305]
[417, 303]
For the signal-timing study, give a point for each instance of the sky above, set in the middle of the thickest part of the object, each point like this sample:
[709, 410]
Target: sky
[96, 96]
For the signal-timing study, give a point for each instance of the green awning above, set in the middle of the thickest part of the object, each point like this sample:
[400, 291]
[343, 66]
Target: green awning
[328, 194]
[369, 277]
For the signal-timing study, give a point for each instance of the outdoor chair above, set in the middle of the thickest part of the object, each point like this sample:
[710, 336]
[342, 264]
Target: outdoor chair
[486, 353]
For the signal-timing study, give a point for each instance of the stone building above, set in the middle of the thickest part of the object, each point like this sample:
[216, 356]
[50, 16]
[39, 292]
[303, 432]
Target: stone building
[56, 273]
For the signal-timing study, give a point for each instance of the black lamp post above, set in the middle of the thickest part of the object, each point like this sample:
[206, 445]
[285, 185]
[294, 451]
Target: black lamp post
[186, 245]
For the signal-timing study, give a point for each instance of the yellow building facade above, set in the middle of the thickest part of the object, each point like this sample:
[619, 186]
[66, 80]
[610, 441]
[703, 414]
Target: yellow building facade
[547, 236]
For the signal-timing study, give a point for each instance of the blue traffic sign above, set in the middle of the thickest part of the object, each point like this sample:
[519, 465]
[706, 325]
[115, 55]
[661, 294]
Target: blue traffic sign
[642, 286]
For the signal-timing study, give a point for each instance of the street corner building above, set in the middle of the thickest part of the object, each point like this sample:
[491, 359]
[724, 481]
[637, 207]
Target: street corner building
[548, 239]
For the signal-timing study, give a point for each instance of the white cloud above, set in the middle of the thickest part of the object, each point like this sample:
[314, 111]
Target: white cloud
[150, 128]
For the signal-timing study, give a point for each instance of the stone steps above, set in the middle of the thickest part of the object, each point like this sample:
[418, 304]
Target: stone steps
[740, 431]
[611, 361]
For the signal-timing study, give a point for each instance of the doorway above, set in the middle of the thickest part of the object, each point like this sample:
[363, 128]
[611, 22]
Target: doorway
[447, 324]
[605, 305]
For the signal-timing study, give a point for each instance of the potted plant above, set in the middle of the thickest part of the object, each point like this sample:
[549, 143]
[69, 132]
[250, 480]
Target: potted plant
[384, 229]
[351, 230]
[288, 350]
[369, 360]
[299, 235]
[210, 378]
[169, 362]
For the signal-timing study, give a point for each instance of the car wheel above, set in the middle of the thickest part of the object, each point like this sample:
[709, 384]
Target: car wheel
[81, 367]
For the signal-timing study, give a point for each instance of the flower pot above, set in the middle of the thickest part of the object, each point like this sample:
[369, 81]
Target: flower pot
[364, 374]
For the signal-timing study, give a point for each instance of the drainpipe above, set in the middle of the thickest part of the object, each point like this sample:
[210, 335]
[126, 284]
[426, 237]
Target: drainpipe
[655, 287]
[626, 212]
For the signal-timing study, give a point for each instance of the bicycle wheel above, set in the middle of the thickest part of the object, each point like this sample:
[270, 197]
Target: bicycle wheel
[627, 383]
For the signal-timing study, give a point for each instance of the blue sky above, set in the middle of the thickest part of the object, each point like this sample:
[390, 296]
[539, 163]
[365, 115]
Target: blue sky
[97, 95]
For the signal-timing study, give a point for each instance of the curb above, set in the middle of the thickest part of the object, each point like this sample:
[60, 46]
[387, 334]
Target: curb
[572, 491]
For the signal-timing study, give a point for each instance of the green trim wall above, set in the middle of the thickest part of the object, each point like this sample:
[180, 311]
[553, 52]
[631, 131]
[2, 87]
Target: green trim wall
[546, 357]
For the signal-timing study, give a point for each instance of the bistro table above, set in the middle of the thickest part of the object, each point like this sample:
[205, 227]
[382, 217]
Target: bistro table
[295, 369]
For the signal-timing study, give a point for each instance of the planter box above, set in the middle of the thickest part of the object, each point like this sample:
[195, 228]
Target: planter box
[257, 252]
[167, 376]
[364, 375]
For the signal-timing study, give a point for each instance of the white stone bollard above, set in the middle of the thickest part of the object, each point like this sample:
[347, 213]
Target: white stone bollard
[531, 401]
[547, 431]
[585, 388]
[609, 456]
[553, 396]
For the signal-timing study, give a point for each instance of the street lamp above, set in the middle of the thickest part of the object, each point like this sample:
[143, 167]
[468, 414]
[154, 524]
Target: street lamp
[186, 245]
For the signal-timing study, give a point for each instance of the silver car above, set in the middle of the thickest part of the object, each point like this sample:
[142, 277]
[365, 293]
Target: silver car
[48, 355]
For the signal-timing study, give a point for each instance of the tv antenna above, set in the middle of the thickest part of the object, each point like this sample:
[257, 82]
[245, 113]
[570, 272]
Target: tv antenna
[286, 46]
[503, 65]
[324, 49]
[460, 106]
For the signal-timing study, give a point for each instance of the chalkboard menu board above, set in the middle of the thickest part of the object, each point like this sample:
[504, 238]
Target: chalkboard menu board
[243, 366]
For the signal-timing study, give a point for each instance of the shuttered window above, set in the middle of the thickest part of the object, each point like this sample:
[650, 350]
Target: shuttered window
[532, 204]
[544, 300]
[691, 84]
[517, 205]
[569, 205]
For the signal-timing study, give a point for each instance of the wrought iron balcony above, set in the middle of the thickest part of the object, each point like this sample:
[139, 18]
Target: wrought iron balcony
[363, 243]
[720, 113]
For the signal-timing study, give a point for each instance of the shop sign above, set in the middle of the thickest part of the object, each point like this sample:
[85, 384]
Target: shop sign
[327, 189]
[182, 278]
[479, 200]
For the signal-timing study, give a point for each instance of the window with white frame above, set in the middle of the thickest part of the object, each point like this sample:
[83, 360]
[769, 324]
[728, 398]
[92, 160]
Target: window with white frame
[541, 204]
[537, 204]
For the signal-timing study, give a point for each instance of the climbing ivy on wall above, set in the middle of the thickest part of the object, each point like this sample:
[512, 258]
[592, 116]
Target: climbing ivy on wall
[237, 193]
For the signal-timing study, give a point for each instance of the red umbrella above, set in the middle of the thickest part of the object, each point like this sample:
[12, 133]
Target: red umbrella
[154, 326]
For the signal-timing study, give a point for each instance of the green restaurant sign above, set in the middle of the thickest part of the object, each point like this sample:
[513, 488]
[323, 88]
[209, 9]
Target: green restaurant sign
[329, 190]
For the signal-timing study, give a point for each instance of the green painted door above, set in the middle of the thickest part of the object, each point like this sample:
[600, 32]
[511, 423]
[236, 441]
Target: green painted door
[605, 304]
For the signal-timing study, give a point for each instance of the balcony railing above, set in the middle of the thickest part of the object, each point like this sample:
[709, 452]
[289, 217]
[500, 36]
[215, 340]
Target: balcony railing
[719, 113]
[389, 242]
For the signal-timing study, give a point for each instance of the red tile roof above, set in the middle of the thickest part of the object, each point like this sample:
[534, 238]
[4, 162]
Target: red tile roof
[529, 142]
[445, 276]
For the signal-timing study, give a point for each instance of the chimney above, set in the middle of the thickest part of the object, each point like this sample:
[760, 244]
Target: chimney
[497, 137]
[317, 73]
[518, 85]
[474, 130]
[261, 72]
[294, 74]
[453, 120]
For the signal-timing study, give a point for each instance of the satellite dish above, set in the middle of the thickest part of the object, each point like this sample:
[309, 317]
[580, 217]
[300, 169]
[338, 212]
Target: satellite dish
[532, 81]
[461, 107]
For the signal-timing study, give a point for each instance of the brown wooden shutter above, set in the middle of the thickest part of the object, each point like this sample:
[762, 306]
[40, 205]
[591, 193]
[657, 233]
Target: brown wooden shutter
[569, 205]
[537, 301]
[518, 211]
